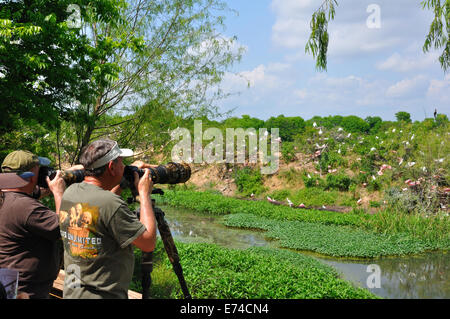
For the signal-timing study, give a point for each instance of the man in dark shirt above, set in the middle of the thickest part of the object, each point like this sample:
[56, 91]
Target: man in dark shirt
[29, 231]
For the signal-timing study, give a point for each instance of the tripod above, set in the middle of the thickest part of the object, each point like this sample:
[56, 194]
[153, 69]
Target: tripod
[171, 250]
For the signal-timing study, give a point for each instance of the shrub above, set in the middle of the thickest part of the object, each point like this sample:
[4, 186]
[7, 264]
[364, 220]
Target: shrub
[330, 159]
[339, 181]
[354, 124]
[288, 152]
[292, 176]
[374, 185]
[249, 181]
[312, 181]
[403, 117]
[280, 195]
[288, 126]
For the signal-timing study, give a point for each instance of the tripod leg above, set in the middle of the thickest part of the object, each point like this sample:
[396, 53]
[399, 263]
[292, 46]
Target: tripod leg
[146, 269]
[171, 250]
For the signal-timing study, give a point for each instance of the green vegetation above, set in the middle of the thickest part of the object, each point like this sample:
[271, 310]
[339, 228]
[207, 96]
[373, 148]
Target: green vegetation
[253, 273]
[248, 181]
[332, 240]
[333, 233]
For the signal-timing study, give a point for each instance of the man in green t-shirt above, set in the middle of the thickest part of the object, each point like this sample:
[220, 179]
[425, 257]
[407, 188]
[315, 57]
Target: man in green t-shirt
[98, 229]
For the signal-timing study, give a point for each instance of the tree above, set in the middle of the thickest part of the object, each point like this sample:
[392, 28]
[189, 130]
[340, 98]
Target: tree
[403, 117]
[288, 126]
[45, 62]
[437, 37]
[374, 122]
[354, 124]
[169, 56]
[245, 122]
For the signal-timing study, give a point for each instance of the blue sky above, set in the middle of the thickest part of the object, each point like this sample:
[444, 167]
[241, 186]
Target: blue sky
[371, 71]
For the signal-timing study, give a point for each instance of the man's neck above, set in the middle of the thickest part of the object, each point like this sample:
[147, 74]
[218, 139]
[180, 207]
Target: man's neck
[98, 182]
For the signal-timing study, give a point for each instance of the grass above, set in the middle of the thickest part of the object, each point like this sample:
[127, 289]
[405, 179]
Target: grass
[331, 240]
[220, 205]
[411, 233]
[313, 197]
[213, 272]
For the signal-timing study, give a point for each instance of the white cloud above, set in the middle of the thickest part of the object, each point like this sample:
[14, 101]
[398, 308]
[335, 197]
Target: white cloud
[261, 77]
[401, 63]
[300, 93]
[407, 87]
[439, 90]
[349, 33]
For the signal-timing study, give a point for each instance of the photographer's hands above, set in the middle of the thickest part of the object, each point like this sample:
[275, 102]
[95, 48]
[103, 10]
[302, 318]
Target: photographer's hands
[142, 165]
[147, 241]
[144, 185]
[57, 186]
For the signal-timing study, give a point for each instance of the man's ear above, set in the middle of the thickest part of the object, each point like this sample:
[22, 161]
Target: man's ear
[34, 179]
[110, 168]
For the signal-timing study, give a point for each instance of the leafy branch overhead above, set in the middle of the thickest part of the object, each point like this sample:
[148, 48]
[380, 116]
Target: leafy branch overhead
[437, 37]
[317, 44]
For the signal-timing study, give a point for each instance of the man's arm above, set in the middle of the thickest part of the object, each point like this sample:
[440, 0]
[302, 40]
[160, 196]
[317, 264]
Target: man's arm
[147, 241]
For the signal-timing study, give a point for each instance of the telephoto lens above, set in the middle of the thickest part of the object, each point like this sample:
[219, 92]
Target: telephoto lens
[70, 177]
[172, 173]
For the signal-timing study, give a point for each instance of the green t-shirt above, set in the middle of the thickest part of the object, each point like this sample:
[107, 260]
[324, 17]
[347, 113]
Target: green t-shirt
[97, 228]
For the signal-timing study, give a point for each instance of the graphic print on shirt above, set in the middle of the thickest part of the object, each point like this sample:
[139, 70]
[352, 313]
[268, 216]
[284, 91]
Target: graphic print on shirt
[78, 230]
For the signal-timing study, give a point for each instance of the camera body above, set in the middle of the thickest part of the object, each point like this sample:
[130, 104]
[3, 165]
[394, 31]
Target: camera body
[70, 177]
[172, 173]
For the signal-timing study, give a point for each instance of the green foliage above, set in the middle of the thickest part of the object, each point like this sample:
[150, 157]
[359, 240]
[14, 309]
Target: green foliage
[330, 240]
[338, 181]
[30, 136]
[289, 126]
[433, 230]
[249, 181]
[312, 180]
[221, 205]
[403, 117]
[249, 274]
[437, 37]
[330, 160]
[317, 43]
[316, 197]
[354, 124]
[46, 65]
[288, 152]
[374, 123]
[441, 120]
[245, 122]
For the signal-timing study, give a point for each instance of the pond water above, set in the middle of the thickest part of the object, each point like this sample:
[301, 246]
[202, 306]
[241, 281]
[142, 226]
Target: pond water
[419, 276]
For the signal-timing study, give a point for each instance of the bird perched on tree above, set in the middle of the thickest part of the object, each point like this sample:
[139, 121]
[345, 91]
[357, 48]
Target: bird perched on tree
[435, 113]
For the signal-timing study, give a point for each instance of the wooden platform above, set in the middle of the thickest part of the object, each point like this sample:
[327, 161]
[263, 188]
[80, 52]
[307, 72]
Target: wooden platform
[58, 286]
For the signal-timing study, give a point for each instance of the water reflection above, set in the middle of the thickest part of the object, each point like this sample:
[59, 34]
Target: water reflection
[422, 276]
[193, 227]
